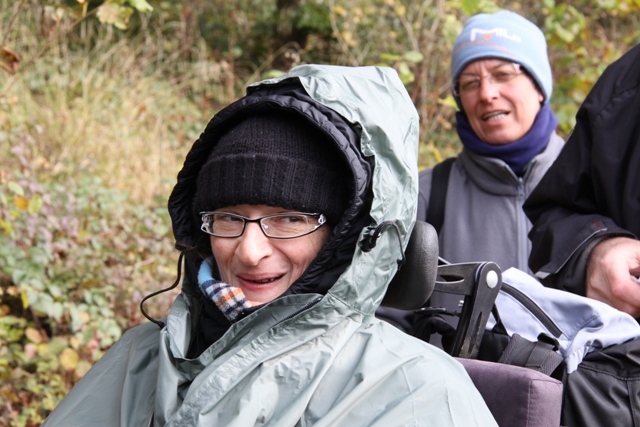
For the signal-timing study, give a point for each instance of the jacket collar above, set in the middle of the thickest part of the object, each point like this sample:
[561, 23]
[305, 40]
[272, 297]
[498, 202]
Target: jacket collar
[494, 176]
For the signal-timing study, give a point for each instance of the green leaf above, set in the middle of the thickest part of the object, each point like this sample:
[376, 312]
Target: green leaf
[35, 204]
[607, 4]
[451, 28]
[56, 310]
[58, 345]
[390, 57]
[16, 188]
[55, 291]
[114, 14]
[405, 73]
[488, 6]
[272, 74]
[564, 34]
[6, 227]
[236, 52]
[449, 101]
[470, 7]
[141, 5]
[413, 56]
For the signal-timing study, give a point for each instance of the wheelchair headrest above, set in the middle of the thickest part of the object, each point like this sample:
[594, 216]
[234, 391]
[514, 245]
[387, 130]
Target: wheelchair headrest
[413, 284]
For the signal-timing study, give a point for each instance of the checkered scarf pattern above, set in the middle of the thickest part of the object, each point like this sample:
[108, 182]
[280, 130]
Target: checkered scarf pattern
[229, 299]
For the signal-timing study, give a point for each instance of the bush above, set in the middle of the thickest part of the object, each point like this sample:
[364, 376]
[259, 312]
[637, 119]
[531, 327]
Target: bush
[89, 156]
[75, 261]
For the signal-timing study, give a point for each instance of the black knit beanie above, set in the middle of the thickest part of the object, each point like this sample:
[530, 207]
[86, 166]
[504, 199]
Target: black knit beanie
[275, 159]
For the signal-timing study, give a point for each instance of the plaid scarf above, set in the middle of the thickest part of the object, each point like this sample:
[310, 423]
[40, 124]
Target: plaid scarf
[229, 299]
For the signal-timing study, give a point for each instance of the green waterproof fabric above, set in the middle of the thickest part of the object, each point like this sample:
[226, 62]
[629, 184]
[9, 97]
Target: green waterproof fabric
[305, 359]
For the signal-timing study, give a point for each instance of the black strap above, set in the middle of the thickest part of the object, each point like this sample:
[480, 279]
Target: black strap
[541, 356]
[438, 196]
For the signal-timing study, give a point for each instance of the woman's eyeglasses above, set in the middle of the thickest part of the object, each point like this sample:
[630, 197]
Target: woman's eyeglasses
[470, 83]
[286, 225]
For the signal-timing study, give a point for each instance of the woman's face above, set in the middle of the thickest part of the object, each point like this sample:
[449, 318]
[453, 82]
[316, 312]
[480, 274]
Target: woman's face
[264, 268]
[500, 113]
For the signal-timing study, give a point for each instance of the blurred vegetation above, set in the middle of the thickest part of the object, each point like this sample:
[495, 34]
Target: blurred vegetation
[101, 99]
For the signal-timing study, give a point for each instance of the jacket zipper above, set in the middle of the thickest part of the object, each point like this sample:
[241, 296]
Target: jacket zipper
[522, 247]
[523, 299]
[520, 188]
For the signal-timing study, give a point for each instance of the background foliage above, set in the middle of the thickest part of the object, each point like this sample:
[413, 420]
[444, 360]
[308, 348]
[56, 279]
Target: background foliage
[100, 100]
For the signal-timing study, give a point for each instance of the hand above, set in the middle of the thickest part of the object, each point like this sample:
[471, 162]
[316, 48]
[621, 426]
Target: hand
[612, 269]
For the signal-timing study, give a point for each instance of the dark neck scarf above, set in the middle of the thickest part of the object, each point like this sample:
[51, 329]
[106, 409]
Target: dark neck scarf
[518, 153]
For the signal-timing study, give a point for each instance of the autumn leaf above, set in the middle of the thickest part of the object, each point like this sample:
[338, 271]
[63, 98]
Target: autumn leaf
[22, 203]
[25, 299]
[339, 10]
[9, 60]
[30, 351]
[90, 283]
[69, 359]
[82, 368]
[33, 335]
[43, 349]
[4, 225]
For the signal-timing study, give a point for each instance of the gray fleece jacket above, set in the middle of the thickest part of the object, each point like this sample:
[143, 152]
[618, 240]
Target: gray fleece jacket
[483, 219]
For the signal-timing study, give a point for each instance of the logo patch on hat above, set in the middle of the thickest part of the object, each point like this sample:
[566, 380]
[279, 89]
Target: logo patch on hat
[477, 33]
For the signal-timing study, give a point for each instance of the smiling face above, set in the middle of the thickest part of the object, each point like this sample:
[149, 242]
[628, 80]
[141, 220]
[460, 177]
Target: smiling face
[500, 113]
[262, 267]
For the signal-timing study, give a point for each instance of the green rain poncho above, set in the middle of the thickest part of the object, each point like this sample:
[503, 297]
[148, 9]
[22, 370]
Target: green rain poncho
[315, 356]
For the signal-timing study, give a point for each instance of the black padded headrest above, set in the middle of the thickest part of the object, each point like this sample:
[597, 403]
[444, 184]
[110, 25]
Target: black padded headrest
[413, 284]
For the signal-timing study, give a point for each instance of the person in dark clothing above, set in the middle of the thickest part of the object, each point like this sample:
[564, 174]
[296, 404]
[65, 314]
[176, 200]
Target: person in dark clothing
[586, 209]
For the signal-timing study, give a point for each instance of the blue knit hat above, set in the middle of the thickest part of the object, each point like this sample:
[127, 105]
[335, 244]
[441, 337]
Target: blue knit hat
[504, 35]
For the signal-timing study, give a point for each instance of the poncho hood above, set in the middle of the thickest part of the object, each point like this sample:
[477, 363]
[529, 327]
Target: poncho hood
[380, 145]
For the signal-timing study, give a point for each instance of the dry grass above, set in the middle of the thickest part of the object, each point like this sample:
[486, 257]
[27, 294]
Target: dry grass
[124, 109]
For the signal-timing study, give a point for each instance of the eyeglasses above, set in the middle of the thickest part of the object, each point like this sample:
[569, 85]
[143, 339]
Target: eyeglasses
[286, 225]
[470, 83]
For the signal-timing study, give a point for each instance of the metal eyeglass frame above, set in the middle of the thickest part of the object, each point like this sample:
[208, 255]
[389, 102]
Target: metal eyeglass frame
[518, 68]
[321, 220]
